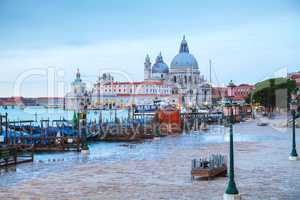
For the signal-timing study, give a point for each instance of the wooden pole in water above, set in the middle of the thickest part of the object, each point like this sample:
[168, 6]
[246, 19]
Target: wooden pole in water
[6, 128]
[14, 141]
[100, 118]
[110, 115]
[128, 114]
[1, 124]
[31, 134]
[44, 136]
[21, 134]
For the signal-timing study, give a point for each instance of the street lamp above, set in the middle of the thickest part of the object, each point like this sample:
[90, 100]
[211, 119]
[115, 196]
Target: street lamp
[231, 192]
[83, 123]
[294, 108]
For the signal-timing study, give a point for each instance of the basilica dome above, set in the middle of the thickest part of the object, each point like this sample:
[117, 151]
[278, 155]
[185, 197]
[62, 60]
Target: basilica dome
[184, 59]
[160, 66]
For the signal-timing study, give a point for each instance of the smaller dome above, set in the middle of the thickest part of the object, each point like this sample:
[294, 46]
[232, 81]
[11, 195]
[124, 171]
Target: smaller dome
[160, 66]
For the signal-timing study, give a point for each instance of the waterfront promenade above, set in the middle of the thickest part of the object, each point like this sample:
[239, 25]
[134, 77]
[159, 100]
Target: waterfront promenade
[160, 169]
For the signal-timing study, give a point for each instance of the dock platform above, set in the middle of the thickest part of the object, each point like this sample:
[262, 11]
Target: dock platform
[209, 168]
[10, 155]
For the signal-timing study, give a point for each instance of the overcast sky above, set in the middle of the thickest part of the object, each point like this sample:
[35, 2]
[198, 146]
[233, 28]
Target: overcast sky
[246, 40]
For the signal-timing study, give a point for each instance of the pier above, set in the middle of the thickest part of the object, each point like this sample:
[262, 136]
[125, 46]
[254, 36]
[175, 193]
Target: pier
[10, 155]
[210, 167]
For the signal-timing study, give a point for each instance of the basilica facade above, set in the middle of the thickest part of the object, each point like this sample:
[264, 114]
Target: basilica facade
[180, 84]
[184, 74]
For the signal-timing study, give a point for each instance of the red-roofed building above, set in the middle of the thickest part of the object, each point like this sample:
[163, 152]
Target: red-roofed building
[124, 94]
[240, 92]
[295, 76]
[218, 94]
[15, 101]
[237, 93]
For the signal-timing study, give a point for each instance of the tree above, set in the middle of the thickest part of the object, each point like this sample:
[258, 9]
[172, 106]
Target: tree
[75, 120]
[266, 92]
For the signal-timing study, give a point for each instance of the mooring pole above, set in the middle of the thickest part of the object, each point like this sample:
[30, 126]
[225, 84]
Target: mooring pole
[6, 128]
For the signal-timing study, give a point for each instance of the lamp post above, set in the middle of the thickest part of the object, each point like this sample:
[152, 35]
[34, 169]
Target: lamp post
[294, 108]
[231, 192]
[83, 123]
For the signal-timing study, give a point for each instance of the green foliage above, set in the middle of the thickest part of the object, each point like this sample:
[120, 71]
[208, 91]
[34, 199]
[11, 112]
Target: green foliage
[248, 99]
[75, 121]
[267, 92]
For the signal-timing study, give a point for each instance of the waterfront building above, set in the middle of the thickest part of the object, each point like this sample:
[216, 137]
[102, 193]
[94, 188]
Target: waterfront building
[237, 93]
[181, 84]
[240, 92]
[184, 71]
[110, 94]
[218, 95]
[47, 102]
[184, 74]
[77, 95]
[17, 101]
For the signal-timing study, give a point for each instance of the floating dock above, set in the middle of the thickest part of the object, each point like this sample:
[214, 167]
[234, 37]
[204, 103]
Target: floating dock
[10, 155]
[210, 167]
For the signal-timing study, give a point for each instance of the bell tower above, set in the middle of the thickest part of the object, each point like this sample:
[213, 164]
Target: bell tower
[147, 68]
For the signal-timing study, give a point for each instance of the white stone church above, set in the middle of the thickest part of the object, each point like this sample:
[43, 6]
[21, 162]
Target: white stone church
[181, 84]
[184, 73]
